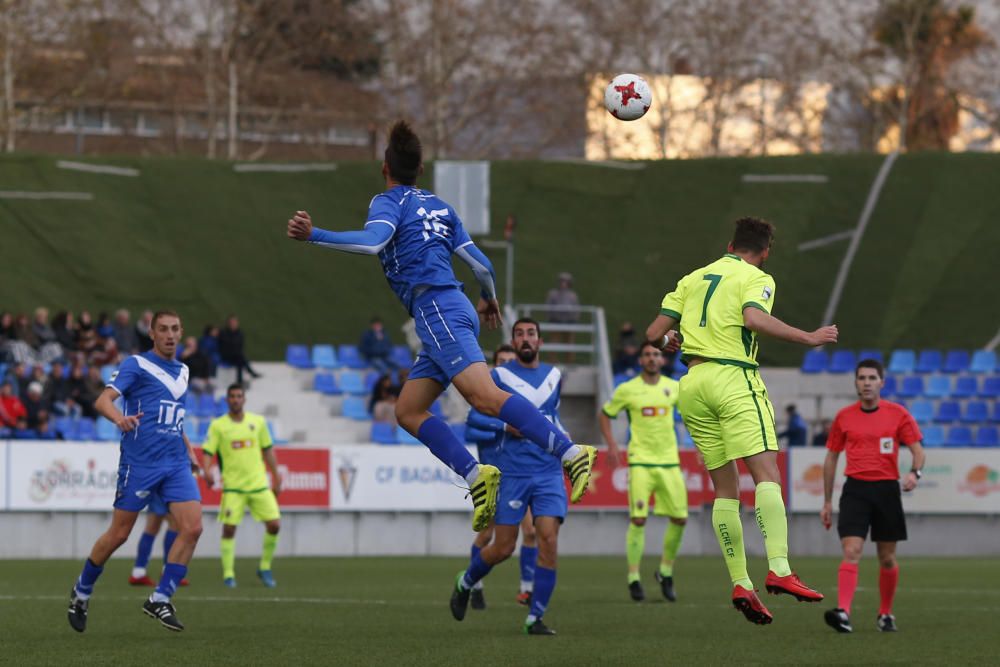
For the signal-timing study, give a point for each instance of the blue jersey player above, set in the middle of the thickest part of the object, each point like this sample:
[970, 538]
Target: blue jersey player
[156, 458]
[414, 233]
[531, 480]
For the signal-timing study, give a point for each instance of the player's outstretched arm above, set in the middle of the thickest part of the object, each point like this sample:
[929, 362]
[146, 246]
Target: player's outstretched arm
[368, 241]
[105, 406]
[760, 322]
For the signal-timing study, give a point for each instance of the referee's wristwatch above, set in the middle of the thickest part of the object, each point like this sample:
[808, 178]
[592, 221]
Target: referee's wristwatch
[917, 472]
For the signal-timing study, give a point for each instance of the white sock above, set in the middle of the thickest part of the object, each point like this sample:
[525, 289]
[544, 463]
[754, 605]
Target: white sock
[472, 476]
[531, 619]
[159, 597]
[527, 586]
[478, 586]
[571, 453]
[138, 572]
[82, 596]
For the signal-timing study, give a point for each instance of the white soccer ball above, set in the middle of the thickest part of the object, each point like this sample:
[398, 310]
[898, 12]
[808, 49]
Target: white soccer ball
[628, 97]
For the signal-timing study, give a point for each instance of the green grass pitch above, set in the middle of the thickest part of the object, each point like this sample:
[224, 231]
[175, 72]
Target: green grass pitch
[394, 611]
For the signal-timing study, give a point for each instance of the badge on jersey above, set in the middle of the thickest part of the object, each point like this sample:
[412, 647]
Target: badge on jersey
[766, 294]
[886, 445]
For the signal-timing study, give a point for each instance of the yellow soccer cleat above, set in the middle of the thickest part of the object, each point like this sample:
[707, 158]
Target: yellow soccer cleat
[579, 469]
[484, 496]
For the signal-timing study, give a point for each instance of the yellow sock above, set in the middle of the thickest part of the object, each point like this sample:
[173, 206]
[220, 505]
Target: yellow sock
[771, 519]
[227, 549]
[729, 531]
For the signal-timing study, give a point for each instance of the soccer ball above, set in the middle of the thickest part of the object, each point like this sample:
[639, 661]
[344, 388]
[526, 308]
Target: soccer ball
[628, 97]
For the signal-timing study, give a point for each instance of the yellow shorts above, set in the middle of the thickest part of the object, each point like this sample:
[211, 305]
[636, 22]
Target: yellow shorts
[665, 484]
[263, 506]
[727, 412]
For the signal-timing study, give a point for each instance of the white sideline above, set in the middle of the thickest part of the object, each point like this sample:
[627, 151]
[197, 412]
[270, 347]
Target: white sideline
[825, 240]
[23, 194]
[785, 178]
[247, 167]
[97, 168]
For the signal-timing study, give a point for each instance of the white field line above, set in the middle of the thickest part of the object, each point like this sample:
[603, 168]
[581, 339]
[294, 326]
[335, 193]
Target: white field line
[250, 167]
[610, 164]
[97, 168]
[825, 240]
[22, 194]
[785, 178]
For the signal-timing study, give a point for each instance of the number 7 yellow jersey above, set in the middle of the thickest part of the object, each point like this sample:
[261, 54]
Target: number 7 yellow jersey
[709, 303]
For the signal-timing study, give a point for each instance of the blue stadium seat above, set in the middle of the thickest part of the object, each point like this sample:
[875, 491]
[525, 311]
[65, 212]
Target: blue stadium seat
[405, 438]
[911, 387]
[401, 356]
[350, 356]
[871, 354]
[966, 386]
[107, 372]
[976, 412]
[324, 357]
[890, 388]
[106, 430]
[371, 379]
[983, 361]
[325, 383]
[948, 411]
[902, 361]
[86, 429]
[66, 426]
[995, 413]
[922, 411]
[384, 434]
[956, 361]
[277, 435]
[437, 409]
[297, 356]
[355, 407]
[933, 435]
[991, 387]
[843, 361]
[621, 377]
[929, 361]
[987, 436]
[190, 402]
[191, 428]
[959, 436]
[203, 425]
[206, 406]
[458, 429]
[351, 383]
[815, 361]
[680, 370]
[221, 406]
[938, 386]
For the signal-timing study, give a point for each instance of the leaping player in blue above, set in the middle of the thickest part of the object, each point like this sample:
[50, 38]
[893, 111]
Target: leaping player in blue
[414, 233]
[156, 458]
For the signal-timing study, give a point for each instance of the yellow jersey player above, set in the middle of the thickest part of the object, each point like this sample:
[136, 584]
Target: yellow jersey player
[243, 444]
[653, 465]
[721, 309]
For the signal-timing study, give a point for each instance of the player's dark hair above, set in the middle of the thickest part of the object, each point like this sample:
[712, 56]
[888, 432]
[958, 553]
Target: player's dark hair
[404, 153]
[163, 313]
[234, 386]
[500, 350]
[871, 363]
[752, 235]
[526, 320]
[648, 343]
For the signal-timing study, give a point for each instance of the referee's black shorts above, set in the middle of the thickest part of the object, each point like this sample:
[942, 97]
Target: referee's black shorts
[872, 504]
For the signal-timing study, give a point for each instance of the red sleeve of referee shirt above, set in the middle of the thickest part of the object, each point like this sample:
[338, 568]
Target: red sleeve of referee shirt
[835, 440]
[908, 432]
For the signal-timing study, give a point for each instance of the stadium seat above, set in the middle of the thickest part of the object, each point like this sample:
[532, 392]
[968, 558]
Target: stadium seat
[107, 372]
[991, 387]
[680, 370]
[956, 361]
[324, 357]
[929, 361]
[889, 389]
[933, 435]
[190, 402]
[902, 361]
[66, 426]
[405, 438]
[976, 412]
[401, 356]
[871, 354]
[959, 436]
[277, 434]
[948, 411]
[107, 431]
[86, 429]
[437, 409]
[203, 425]
[384, 434]
[351, 383]
[922, 411]
[621, 377]
[983, 361]
[938, 386]
[355, 407]
[843, 361]
[190, 429]
[459, 430]
[815, 361]
[995, 413]
[987, 436]
[221, 406]
[350, 356]
[371, 379]
[966, 386]
[206, 406]
[911, 387]
[325, 383]
[297, 356]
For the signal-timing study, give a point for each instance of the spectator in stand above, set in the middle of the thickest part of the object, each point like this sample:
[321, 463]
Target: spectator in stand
[79, 391]
[65, 331]
[6, 327]
[402, 375]
[105, 353]
[142, 331]
[35, 405]
[231, 348]
[86, 334]
[59, 393]
[22, 431]
[11, 407]
[21, 378]
[40, 326]
[376, 347]
[627, 355]
[104, 327]
[796, 429]
[124, 333]
[39, 376]
[44, 431]
[199, 367]
[821, 436]
[209, 346]
[562, 296]
[93, 385]
[382, 404]
[22, 347]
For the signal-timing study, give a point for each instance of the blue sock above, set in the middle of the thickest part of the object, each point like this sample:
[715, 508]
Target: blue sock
[88, 577]
[169, 580]
[528, 557]
[474, 551]
[545, 583]
[525, 417]
[168, 541]
[441, 440]
[478, 568]
[145, 550]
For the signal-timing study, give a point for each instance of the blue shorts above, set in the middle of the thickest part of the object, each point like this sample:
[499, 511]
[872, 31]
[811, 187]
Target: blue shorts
[157, 506]
[545, 495]
[138, 485]
[448, 327]
[488, 454]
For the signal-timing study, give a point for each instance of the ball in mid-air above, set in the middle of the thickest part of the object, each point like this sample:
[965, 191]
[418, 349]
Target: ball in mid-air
[628, 97]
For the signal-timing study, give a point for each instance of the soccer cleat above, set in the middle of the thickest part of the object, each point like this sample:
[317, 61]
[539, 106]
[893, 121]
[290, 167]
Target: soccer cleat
[484, 496]
[77, 611]
[838, 620]
[887, 623]
[579, 469]
[184, 582]
[538, 628]
[751, 606]
[164, 612]
[144, 580]
[791, 585]
[524, 597]
[635, 590]
[459, 598]
[266, 578]
[477, 599]
[229, 582]
[666, 586]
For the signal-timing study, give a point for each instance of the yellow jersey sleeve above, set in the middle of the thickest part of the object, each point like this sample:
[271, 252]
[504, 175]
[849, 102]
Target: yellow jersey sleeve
[263, 434]
[759, 292]
[673, 303]
[212, 439]
[618, 402]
